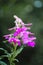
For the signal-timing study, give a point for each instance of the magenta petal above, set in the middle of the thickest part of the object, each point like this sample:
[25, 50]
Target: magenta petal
[18, 30]
[6, 36]
[25, 39]
[14, 40]
[19, 44]
[15, 34]
[10, 40]
[18, 41]
[31, 44]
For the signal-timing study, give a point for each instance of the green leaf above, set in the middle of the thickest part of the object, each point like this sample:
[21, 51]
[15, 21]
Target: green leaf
[16, 60]
[1, 57]
[2, 63]
[5, 51]
[2, 49]
[19, 50]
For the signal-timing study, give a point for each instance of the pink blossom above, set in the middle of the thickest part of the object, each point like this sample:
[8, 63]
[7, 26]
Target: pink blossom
[15, 40]
[31, 44]
[21, 33]
[7, 36]
[28, 40]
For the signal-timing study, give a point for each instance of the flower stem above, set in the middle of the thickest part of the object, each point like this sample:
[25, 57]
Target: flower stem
[12, 57]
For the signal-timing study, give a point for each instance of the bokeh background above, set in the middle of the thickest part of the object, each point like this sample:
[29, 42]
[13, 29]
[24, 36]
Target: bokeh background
[30, 11]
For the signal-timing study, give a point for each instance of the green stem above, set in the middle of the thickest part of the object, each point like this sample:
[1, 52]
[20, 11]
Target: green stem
[12, 57]
[11, 61]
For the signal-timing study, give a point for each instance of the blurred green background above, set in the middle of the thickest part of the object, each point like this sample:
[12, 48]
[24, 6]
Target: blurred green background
[28, 11]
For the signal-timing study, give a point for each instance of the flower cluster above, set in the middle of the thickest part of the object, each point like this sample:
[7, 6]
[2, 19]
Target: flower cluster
[22, 34]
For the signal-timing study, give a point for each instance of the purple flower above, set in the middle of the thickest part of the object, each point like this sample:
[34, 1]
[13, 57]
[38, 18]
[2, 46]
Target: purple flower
[25, 37]
[28, 40]
[14, 40]
[7, 36]
[21, 33]
[31, 44]
[18, 30]
[21, 30]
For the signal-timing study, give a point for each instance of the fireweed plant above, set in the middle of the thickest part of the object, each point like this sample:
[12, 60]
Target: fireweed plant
[20, 38]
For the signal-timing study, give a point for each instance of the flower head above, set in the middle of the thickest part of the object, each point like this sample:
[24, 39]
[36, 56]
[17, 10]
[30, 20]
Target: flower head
[21, 33]
[14, 40]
